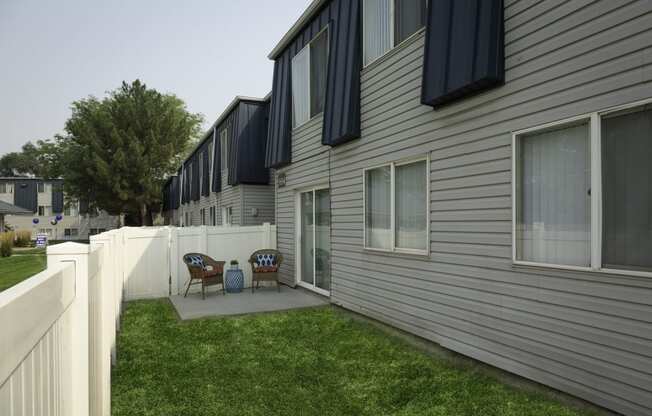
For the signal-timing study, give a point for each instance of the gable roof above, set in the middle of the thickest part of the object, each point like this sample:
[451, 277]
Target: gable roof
[8, 209]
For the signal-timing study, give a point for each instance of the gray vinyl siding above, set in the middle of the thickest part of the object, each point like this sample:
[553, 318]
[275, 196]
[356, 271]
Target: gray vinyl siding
[310, 166]
[260, 197]
[588, 334]
[241, 198]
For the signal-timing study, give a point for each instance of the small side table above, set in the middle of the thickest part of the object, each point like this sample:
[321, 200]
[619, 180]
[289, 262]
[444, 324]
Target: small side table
[234, 280]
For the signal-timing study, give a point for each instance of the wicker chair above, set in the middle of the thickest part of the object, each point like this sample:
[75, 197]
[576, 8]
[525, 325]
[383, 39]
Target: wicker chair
[265, 272]
[205, 271]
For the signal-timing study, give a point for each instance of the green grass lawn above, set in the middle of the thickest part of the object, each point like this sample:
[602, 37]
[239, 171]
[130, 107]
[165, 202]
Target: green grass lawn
[17, 268]
[304, 362]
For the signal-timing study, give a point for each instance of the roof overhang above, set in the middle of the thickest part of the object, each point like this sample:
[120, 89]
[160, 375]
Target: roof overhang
[238, 99]
[297, 27]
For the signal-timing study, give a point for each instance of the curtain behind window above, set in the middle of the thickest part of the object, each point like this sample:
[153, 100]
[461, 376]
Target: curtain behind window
[627, 190]
[410, 16]
[318, 71]
[553, 223]
[377, 28]
[378, 200]
[411, 216]
[301, 87]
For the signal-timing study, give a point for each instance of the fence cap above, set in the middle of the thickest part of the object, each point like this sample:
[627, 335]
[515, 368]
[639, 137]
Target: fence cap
[68, 248]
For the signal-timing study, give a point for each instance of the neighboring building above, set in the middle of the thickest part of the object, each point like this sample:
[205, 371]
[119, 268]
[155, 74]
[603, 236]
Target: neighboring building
[44, 200]
[511, 223]
[9, 209]
[224, 181]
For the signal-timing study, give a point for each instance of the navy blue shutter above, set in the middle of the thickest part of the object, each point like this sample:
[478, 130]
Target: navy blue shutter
[26, 194]
[250, 144]
[279, 144]
[194, 188]
[57, 197]
[464, 52]
[342, 109]
[217, 164]
[206, 169]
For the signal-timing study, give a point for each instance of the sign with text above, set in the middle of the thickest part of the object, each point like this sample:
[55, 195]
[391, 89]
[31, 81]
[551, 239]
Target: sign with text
[41, 240]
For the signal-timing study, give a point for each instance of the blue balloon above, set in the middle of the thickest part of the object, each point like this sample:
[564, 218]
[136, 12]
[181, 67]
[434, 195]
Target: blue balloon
[59, 217]
[35, 220]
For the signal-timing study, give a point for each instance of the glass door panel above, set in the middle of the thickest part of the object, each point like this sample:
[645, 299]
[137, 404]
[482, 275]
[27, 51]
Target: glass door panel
[307, 238]
[322, 239]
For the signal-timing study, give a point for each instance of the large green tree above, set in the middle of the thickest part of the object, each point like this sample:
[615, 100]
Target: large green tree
[34, 159]
[117, 152]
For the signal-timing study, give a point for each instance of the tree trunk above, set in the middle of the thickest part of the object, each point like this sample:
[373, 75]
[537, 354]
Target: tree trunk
[145, 216]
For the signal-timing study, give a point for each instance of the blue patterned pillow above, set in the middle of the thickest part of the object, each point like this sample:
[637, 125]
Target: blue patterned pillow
[265, 260]
[196, 261]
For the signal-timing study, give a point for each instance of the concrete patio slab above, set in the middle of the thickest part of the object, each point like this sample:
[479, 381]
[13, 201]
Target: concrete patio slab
[263, 300]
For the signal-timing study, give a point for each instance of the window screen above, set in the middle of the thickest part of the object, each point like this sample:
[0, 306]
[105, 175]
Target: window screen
[409, 16]
[553, 194]
[627, 190]
[318, 71]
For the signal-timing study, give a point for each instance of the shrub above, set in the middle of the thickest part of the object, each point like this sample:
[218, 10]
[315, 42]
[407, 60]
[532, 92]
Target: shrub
[6, 244]
[23, 238]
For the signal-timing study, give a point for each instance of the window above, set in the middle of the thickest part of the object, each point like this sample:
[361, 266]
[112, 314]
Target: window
[101, 230]
[227, 215]
[202, 214]
[74, 232]
[309, 70]
[3, 188]
[186, 222]
[387, 23]
[583, 193]
[67, 211]
[396, 207]
[41, 187]
[224, 148]
[44, 210]
[66, 232]
[213, 218]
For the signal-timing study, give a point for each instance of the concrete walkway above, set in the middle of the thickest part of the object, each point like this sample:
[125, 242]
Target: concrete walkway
[263, 300]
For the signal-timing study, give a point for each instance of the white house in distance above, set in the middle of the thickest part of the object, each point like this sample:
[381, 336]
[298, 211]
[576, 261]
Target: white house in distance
[44, 200]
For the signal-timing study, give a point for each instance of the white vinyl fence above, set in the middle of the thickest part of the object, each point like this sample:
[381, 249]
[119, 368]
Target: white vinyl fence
[58, 328]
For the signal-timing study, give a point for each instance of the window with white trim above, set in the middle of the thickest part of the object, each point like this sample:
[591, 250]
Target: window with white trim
[583, 192]
[309, 70]
[227, 215]
[396, 207]
[387, 23]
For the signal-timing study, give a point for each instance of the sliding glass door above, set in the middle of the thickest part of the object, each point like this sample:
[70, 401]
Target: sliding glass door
[314, 230]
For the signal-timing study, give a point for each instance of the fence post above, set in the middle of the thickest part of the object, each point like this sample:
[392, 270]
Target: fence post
[77, 254]
[173, 258]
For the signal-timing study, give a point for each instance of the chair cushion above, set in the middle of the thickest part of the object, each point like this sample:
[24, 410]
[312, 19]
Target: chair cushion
[265, 260]
[266, 269]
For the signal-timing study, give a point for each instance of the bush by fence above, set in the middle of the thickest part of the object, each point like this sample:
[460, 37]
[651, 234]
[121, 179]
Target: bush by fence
[6, 244]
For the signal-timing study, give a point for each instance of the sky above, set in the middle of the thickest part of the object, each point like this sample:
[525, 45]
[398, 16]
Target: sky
[204, 51]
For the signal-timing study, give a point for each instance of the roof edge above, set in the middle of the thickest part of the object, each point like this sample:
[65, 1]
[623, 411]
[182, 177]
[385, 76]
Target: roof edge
[305, 17]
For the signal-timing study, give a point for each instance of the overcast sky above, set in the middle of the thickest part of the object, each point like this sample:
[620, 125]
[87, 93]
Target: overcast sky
[204, 51]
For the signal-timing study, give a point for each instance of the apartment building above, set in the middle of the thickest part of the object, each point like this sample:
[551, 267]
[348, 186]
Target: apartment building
[45, 199]
[224, 181]
[477, 173]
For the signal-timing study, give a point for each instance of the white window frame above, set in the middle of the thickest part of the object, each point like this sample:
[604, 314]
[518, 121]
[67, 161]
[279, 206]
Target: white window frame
[328, 52]
[595, 147]
[298, 236]
[393, 248]
[392, 35]
[227, 216]
[3, 188]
